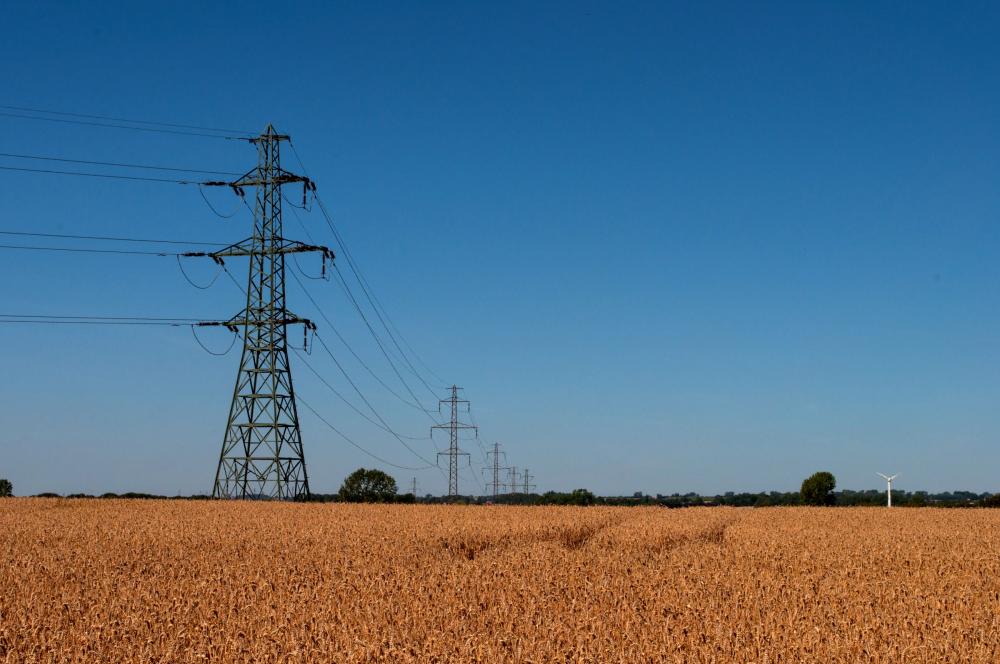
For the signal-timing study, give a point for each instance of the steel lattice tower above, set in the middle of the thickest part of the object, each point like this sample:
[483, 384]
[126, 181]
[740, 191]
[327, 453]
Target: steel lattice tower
[527, 485]
[262, 455]
[512, 475]
[453, 450]
[495, 468]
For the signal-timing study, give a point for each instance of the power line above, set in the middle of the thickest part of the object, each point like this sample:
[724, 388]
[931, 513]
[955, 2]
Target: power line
[45, 319]
[110, 125]
[347, 401]
[366, 287]
[479, 482]
[375, 336]
[81, 250]
[233, 279]
[114, 119]
[352, 351]
[153, 318]
[373, 298]
[349, 440]
[343, 283]
[347, 290]
[385, 425]
[302, 225]
[116, 164]
[95, 175]
[357, 307]
[89, 322]
[110, 238]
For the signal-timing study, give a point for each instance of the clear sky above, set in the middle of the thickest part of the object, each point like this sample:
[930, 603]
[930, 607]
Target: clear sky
[669, 247]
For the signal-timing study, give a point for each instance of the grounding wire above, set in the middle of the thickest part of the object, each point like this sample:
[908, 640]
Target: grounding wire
[114, 119]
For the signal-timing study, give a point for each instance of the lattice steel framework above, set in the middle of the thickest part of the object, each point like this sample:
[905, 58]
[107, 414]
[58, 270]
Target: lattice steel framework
[495, 485]
[262, 454]
[453, 427]
[527, 486]
[512, 475]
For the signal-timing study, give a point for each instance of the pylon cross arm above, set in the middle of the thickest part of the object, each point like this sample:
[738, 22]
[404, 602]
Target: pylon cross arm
[240, 320]
[279, 246]
[256, 178]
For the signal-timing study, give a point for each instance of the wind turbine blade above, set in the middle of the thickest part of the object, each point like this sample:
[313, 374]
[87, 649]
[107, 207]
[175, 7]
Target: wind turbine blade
[885, 477]
[894, 476]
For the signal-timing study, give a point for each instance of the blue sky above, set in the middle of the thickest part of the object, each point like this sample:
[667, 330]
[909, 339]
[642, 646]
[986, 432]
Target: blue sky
[664, 247]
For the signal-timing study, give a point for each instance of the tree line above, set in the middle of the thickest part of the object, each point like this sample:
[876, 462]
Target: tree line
[375, 486]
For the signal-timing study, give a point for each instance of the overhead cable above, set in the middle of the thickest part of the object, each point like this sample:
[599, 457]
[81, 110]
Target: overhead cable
[114, 119]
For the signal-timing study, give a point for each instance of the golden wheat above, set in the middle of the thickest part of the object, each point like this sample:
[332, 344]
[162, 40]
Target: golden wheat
[175, 581]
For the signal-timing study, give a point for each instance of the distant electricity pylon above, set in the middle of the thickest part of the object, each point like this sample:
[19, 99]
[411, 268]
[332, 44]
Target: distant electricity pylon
[495, 485]
[262, 454]
[512, 475]
[414, 489]
[526, 486]
[453, 427]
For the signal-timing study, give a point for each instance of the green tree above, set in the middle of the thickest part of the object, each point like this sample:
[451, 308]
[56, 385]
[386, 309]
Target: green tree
[817, 489]
[6, 489]
[581, 497]
[991, 501]
[368, 486]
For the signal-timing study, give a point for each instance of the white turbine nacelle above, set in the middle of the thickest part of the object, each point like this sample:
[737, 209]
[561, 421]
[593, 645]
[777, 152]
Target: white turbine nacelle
[888, 492]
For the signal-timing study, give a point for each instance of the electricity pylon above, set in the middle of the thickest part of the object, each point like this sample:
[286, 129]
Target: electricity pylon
[512, 476]
[495, 486]
[527, 487]
[262, 455]
[453, 427]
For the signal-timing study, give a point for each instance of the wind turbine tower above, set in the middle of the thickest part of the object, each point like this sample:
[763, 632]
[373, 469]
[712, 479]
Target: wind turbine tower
[888, 492]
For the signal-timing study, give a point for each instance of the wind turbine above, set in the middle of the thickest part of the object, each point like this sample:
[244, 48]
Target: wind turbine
[888, 492]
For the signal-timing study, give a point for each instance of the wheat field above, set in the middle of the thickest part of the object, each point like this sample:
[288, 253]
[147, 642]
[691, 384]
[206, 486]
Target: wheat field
[180, 581]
